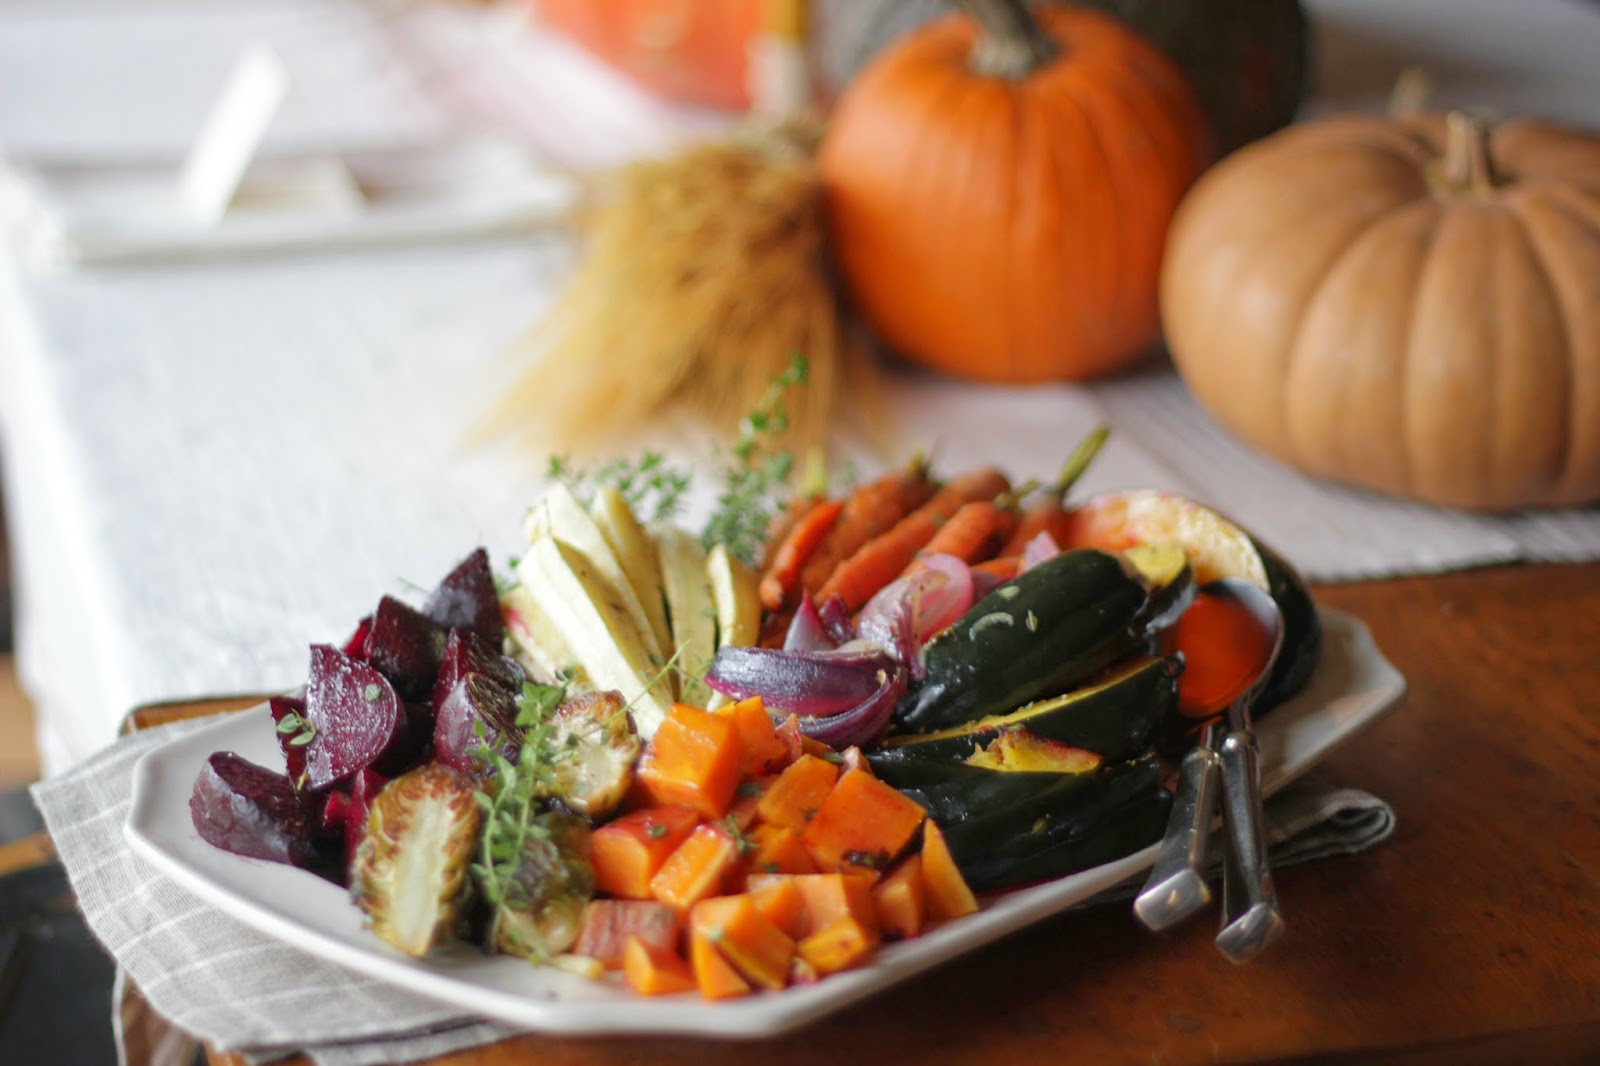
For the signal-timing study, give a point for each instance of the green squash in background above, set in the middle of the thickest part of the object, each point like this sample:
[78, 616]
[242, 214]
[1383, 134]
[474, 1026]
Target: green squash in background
[1249, 60]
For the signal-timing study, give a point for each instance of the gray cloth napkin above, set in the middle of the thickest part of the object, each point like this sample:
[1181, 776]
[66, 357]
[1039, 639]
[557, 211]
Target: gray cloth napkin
[242, 991]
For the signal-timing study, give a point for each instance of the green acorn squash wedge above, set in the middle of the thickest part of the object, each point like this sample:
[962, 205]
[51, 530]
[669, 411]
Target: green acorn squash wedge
[1046, 631]
[1005, 833]
[1116, 716]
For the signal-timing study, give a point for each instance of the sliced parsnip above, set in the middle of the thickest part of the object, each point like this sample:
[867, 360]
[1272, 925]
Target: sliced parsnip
[737, 602]
[537, 641]
[558, 514]
[606, 642]
[733, 590]
[690, 609]
[636, 552]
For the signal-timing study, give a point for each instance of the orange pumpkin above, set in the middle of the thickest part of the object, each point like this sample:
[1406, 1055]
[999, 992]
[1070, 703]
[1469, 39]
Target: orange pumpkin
[1409, 305]
[691, 50]
[998, 189]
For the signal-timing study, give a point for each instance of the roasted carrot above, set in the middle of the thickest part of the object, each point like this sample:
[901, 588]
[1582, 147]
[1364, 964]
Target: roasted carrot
[869, 512]
[1001, 567]
[974, 533]
[780, 582]
[883, 558]
[1050, 515]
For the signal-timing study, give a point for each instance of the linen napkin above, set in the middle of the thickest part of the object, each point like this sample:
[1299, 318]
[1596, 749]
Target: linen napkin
[248, 993]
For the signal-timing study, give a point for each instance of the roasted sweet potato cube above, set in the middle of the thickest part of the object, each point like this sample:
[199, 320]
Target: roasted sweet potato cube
[693, 759]
[627, 852]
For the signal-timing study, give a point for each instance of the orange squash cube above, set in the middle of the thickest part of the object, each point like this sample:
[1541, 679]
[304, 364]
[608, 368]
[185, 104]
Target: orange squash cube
[757, 948]
[763, 751]
[798, 792]
[713, 974]
[697, 869]
[781, 902]
[655, 971]
[694, 760]
[627, 852]
[841, 944]
[899, 902]
[863, 824]
[946, 892]
[777, 850]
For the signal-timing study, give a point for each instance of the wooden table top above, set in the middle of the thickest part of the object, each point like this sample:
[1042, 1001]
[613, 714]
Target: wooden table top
[1471, 935]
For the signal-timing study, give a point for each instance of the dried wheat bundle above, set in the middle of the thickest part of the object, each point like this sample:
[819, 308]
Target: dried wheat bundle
[703, 276]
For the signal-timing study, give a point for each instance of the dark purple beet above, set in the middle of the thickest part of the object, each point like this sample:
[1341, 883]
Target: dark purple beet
[363, 790]
[467, 653]
[357, 714]
[406, 645]
[356, 645]
[249, 810]
[467, 598]
[472, 700]
[294, 755]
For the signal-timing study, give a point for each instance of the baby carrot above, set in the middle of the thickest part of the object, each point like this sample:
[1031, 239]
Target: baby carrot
[883, 558]
[1051, 515]
[870, 511]
[974, 532]
[780, 582]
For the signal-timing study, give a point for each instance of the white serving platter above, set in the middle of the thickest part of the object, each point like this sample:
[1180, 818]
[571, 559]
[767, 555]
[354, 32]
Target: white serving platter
[1354, 685]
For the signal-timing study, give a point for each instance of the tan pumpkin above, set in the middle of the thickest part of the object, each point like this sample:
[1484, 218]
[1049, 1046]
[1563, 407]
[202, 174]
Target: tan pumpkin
[998, 190]
[1408, 305]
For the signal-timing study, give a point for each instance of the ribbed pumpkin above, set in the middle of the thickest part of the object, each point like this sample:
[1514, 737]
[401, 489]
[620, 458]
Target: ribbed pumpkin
[998, 190]
[1409, 305]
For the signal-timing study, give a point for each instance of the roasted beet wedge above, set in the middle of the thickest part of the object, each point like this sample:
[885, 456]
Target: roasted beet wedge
[477, 711]
[406, 645]
[291, 709]
[356, 716]
[355, 645]
[467, 653]
[467, 598]
[250, 810]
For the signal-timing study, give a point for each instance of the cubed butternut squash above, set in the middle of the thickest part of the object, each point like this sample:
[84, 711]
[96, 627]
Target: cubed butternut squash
[697, 869]
[764, 752]
[898, 900]
[713, 974]
[693, 759]
[797, 793]
[840, 945]
[757, 948]
[862, 824]
[776, 849]
[782, 902]
[627, 852]
[946, 891]
[826, 897]
[655, 971]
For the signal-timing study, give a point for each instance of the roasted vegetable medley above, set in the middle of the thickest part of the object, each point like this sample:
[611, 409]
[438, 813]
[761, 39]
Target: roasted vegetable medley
[647, 756]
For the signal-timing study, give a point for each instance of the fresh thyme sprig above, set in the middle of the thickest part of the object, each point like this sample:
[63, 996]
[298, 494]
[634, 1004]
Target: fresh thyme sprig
[653, 487]
[513, 793]
[299, 729]
[756, 475]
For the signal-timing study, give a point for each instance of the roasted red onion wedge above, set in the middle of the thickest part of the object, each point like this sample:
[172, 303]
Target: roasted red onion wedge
[807, 683]
[807, 631]
[1039, 549]
[863, 723]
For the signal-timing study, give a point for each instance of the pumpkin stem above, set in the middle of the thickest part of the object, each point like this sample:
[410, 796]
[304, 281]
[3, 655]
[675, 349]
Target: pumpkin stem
[1013, 45]
[1466, 166]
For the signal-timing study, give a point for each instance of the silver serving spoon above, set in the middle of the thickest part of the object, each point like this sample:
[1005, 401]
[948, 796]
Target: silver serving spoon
[1177, 885]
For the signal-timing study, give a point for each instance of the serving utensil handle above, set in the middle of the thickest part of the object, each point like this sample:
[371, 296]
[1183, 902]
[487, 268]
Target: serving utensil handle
[1177, 885]
[1250, 914]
